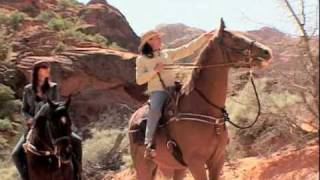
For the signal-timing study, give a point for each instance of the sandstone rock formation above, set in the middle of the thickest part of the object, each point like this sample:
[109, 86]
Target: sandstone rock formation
[107, 20]
[95, 77]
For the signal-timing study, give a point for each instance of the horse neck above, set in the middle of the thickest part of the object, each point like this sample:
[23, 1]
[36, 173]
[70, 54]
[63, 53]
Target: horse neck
[213, 82]
[40, 137]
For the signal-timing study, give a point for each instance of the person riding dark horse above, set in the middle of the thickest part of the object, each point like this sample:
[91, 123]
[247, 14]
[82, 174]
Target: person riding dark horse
[35, 95]
[150, 70]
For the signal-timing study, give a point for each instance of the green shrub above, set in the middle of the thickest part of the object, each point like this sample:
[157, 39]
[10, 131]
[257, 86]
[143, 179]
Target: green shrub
[15, 19]
[3, 18]
[98, 38]
[46, 16]
[6, 94]
[8, 103]
[65, 4]
[4, 46]
[60, 24]
[115, 46]
[5, 125]
[100, 149]
[60, 47]
[73, 33]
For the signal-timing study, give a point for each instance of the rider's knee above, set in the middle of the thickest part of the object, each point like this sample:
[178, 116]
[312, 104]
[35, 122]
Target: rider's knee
[156, 112]
[15, 155]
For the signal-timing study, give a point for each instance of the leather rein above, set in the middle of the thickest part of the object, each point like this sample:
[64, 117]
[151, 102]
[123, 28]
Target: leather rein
[29, 147]
[208, 119]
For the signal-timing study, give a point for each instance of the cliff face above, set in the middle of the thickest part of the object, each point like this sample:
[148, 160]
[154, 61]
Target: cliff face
[174, 35]
[109, 22]
[95, 77]
[96, 71]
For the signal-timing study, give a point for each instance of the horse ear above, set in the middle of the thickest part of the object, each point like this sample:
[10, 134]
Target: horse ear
[51, 104]
[222, 27]
[68, 101]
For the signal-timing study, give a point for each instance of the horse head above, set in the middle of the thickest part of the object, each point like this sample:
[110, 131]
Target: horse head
[239, 50]
[59, 129]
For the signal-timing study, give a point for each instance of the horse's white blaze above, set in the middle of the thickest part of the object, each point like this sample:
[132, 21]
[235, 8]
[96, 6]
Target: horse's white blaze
[63, 120]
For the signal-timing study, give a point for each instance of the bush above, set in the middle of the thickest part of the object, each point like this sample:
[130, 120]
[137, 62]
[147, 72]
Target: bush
[73, 33]
[5, 125]
[3, 18]
[4, 46]
[277, 123]
[46, 16]
[60, 47]
[60, 24]
[8, 104]
[104, 152]
[115, 46]
[65, 4]
[98, 39]
[15, 19]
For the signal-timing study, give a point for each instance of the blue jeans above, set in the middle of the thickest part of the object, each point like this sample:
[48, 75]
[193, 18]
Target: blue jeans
[157, 100]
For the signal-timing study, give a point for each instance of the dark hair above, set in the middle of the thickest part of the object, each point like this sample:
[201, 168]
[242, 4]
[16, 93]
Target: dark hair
[147, 50]
[36, 67]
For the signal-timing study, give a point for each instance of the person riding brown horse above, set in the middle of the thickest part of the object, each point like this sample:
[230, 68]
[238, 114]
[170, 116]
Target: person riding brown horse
[150, 68]
[35, 95]
[198, 127]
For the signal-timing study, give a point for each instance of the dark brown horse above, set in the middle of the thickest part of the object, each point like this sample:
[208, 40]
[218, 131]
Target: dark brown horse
[48, 144]
[200, 131]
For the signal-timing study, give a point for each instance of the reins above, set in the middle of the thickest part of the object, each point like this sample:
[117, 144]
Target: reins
[197, 117]
[29, 147]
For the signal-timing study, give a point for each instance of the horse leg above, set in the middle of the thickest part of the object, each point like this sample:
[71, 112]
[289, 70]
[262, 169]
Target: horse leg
[197, 168]
[165, 173]
[145, 169]
[215, 163]
[179, 174]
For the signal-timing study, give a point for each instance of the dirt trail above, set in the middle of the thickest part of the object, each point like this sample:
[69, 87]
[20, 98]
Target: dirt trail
[289, 164]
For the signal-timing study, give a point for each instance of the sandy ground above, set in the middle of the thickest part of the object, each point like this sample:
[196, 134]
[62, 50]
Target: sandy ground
[288, 164]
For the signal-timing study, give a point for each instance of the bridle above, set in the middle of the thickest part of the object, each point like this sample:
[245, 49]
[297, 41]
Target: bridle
[247, 52]
[29, 147]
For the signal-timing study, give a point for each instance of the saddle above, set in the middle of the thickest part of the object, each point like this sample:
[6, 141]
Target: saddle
[169, 110]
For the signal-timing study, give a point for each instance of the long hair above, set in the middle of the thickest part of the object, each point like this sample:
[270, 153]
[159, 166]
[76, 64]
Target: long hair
[37, 66]
[147, 50]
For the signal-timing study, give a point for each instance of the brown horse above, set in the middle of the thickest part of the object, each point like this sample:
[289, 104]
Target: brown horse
[203, 136]
[48, 144]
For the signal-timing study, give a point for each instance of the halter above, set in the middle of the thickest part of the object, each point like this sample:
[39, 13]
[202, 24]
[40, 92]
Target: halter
[28, 146]
[247, 52]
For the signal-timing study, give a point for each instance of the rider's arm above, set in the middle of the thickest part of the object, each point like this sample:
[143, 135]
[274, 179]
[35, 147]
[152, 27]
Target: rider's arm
[187, 49]
[143, 75]
[25, 104]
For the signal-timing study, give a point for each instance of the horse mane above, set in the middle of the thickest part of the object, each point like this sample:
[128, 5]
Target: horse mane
[41, 114]
[200, 60]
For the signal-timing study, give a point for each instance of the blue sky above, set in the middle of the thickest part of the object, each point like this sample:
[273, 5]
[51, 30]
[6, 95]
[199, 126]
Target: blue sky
[242, 15]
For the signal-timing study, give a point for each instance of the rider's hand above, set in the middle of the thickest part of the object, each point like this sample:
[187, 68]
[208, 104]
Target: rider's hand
[159, 67]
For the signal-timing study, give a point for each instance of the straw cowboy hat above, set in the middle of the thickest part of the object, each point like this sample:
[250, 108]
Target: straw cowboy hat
[146, 37]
